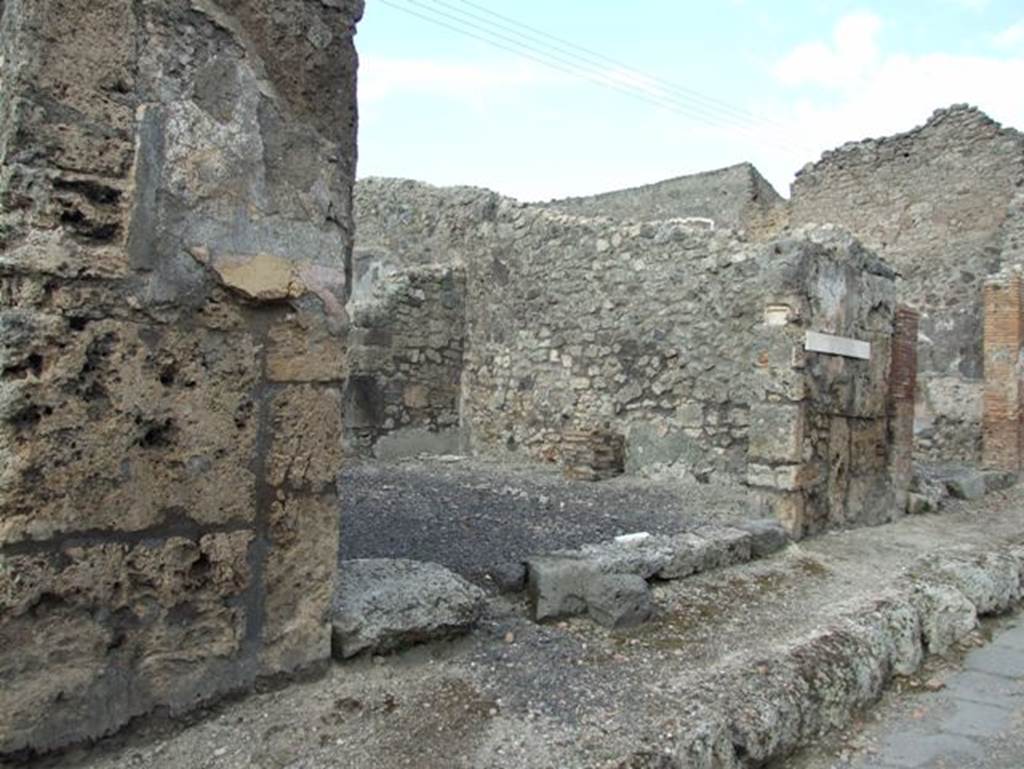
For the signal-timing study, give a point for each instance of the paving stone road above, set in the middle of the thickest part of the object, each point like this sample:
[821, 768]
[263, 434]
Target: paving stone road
[976, 721]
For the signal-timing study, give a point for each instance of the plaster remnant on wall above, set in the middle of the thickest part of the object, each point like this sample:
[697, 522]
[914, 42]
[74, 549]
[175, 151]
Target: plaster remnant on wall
[261, 276]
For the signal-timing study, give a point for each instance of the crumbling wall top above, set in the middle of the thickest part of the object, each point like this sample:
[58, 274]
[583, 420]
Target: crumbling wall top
[946, 127]
[736, 196]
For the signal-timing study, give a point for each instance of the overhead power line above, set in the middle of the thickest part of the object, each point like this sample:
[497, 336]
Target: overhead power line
[541, 57]
[660, 93]
[583, 53]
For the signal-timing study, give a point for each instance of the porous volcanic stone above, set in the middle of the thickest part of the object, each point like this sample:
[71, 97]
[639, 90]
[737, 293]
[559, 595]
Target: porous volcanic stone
[998, 480]
[766, 537]
[557, 585]
[383, 605]
[619, 600]
[966, 484]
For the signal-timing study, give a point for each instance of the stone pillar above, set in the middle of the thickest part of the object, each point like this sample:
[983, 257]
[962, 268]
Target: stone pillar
[776, 468]
[902, 388]
[175, 178]
[819, 447]
[1001, 409]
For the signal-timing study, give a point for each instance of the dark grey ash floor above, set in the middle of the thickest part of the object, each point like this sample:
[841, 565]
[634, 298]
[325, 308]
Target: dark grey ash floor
[472, 514]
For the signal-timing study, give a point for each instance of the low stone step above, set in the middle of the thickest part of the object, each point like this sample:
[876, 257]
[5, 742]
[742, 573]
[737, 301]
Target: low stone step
[384, 605]
[562, 583]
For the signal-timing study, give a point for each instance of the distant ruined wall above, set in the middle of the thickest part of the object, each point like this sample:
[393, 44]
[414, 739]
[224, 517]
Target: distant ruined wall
[403, 223]
[737, 197]
[936, 202]
[405, 363]
[1012, 245]
[665, 333]
[576, 322]
[408, 314]
[175, 179]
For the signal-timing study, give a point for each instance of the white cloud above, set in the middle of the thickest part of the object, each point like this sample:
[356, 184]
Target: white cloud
[842, 62]
[860, 90]
[1011, 37]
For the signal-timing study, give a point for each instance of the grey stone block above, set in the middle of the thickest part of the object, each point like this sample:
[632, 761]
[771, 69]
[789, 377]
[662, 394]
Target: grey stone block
[985, 688]
[919, 504]
[947, 617]
[509, 577]
[724, 547]
[973, 719]
[910, 750]
[557, 585]
[997, 661]
[766, 537]
[998, 480]
[383, 605]
[688, 556]
[966, 485]
[643, 557]
[619, 600]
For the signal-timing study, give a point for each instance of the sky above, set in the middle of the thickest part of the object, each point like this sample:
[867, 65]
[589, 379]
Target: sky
[664, 87]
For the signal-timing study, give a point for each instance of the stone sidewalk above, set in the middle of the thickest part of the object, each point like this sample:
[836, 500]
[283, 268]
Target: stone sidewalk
[973, 720]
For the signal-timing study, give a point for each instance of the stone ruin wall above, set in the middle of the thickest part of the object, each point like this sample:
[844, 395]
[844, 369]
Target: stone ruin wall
[177, 347]
[531, 346]
[736, 198]
[575, 323]
[404, 225]
[405, 364]
[830, 442]
[408, 316]
[657, 331]
[176, 180]
[938, 204]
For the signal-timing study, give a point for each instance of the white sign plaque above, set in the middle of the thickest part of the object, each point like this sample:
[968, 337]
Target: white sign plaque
[837, 345]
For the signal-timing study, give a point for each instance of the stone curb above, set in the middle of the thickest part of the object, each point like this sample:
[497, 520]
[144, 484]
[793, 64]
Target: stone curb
[559, 584]
[752, 714]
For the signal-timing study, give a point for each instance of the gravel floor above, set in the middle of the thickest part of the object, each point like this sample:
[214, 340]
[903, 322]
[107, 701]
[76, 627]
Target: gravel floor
[471, 514]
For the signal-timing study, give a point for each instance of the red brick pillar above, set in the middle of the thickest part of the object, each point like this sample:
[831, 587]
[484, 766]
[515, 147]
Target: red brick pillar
[902, 386]
[1004, 333]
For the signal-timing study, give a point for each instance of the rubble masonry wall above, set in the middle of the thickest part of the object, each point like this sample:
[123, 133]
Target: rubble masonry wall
[659, 331]
[737, 198]
[936, 203]
[405, 364]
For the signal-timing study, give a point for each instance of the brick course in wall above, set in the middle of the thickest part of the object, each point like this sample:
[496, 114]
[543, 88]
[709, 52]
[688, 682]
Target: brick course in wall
[1003, 429]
